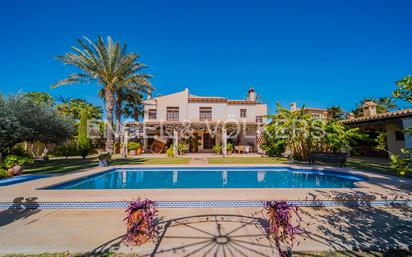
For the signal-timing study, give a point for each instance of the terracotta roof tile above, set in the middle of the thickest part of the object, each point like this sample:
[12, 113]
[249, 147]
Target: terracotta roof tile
[381, 116]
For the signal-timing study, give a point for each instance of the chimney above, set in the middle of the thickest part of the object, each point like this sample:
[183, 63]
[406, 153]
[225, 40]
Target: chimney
[293, 107]
[351, 116]
[251, 95]
[369, 109]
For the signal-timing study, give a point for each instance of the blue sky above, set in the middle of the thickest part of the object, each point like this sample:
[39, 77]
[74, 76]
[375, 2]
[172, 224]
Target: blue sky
[317, 53]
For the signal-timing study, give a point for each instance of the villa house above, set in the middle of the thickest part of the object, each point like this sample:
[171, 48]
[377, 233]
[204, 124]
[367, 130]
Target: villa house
[315, 112]
[201, 121]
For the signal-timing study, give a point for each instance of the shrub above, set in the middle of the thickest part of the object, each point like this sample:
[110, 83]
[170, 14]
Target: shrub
[141, 221]
[274, 147]
[229, 147]
[3, 173]
[104, 156]
[170, 151]
[182, 148]
[217, 148]
[133, 146]
[11, 160]
[65, 150]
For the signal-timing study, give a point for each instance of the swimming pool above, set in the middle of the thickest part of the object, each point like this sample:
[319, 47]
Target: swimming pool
[216, 177]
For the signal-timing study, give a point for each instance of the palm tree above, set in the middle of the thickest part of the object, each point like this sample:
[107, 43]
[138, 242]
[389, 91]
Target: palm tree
[386, 104]
[383, 104]
[335, 112]
[104, 63]
[130, 90]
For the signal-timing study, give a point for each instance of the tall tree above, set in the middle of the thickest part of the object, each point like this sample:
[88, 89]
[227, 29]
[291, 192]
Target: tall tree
[104, 63]
[75, 106]
[335, 112]
[42, 98]
[404, 90]
[83, 141]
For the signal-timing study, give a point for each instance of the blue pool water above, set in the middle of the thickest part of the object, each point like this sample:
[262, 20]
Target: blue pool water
[262, 177]
[19, 179]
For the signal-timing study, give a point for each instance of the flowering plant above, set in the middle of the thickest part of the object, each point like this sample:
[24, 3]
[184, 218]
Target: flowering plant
[280, 224]
[141, 216]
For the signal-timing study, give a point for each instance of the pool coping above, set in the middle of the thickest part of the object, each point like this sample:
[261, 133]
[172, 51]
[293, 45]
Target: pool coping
[380, 189]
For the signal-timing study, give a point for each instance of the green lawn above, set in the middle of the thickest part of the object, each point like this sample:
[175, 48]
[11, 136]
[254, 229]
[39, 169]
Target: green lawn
[66, 165]
[245, 160]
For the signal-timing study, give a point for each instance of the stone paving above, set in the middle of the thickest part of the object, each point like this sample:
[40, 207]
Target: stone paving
[202, 231]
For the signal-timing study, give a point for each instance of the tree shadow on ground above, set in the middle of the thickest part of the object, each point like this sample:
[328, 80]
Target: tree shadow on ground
[204, 235]
[21, 208]
[362, 228]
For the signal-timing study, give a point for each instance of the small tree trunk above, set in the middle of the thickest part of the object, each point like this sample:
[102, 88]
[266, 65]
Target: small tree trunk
[109, 99]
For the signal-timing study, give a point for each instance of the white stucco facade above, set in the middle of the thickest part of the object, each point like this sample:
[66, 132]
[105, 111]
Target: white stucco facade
[189, 108]
[185, 108]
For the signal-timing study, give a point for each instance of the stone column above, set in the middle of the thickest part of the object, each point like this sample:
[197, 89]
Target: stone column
[224, 142]
[125, 141]
[407, 124]
[175, 143]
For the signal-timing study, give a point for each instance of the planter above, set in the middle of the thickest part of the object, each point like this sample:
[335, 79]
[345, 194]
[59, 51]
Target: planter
[137, 229]
[103, 163]
[132, 152]
[139, 151]
[16, 170]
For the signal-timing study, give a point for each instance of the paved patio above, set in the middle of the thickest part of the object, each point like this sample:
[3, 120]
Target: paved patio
[196, 232]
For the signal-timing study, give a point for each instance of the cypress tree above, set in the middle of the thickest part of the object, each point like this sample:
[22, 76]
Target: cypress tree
[83, 142]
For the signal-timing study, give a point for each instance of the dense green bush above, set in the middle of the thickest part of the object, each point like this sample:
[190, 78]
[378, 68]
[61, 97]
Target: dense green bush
[65, 150]
[182, 148]
[170, 151]
[217, 148]
[23, 119]
[11, 160]
[133, 146]
[274, 148]
[3, 173]
[229, 147]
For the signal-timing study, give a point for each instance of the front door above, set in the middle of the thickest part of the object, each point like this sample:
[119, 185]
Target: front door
[207, 141]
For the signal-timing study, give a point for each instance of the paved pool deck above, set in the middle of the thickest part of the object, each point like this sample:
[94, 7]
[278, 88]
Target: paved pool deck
[204, 231]
[377, 187]
[228, 232]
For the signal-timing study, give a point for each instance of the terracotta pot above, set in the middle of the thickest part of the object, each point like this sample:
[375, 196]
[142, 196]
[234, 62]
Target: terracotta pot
[138, 151]
[141, 236]
[272, 220]
[16, 170]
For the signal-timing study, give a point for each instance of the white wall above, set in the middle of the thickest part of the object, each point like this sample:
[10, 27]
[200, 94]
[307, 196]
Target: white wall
[190, 111]
[394, 146]
[407, 123]
[219, 111]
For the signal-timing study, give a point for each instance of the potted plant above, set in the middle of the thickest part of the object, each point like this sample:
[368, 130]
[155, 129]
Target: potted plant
[15, 164]
[104, 159]
[134, 148]
[280, 225]
[141, 226]
[217, 148]
[182, 148]
[229, 148]
[193, 144]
